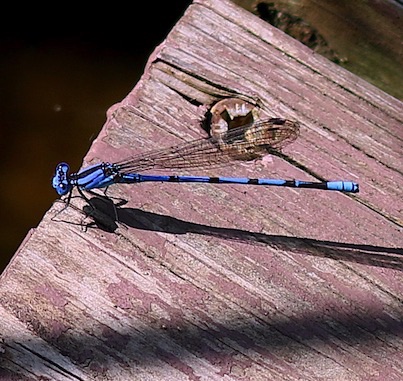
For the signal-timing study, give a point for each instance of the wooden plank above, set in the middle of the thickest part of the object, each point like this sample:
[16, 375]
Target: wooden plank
[357, 35]
[202, 282]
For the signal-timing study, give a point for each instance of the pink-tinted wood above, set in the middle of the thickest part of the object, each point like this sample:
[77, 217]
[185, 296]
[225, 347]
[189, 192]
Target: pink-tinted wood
[209, 282]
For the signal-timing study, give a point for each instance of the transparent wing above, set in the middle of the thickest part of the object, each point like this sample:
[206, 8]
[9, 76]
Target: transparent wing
[242, 143]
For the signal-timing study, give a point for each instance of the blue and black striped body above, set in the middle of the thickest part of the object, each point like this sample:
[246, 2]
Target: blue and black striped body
[342, 186]
[243, 143]
[105, 174]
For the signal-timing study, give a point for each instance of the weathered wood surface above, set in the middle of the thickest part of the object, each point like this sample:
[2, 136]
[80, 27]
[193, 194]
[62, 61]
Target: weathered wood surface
[202, 282]
[357, 34]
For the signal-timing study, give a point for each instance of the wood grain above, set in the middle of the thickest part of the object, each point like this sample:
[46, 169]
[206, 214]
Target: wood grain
[202, 282]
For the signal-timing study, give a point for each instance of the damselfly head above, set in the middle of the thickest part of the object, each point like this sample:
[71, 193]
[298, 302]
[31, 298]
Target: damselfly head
[60, 180]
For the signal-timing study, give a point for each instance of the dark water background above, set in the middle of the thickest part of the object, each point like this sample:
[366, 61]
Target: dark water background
[61, 69]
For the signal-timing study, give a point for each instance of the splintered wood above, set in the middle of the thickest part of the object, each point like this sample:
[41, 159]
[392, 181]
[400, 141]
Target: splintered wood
[222, 282]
